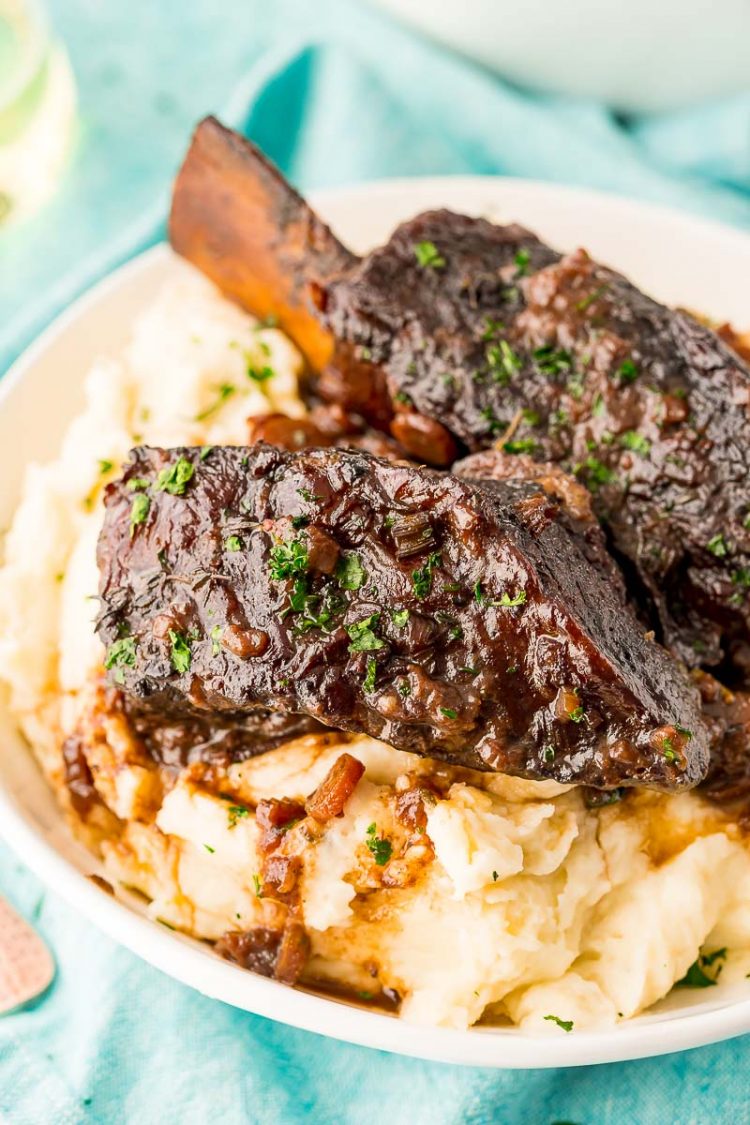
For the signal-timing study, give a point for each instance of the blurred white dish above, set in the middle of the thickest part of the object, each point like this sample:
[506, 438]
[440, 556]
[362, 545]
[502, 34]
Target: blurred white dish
[643, 56]
[681, 260]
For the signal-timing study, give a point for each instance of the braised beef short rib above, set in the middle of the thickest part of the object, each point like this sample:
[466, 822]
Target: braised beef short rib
[460, 334]
[474, 621]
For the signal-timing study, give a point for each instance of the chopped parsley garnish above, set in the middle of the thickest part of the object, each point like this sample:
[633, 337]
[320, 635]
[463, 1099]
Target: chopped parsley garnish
[449, 713]
[574, 387]
[551, 360]
[517, 599]
[180, 654]
[577, 715]
[350, 572]
[597, 407]
[288, 560]
[718, 546]
[233, 543]
[531, 417]
[404, 688]
[669, 751]
[175, 478]
[307, 495]
[298, 522]
[259, 374]
[368, 684]
[215, 635]
[209, 849]
[522, 260]
[741, 577]
[380, 847]
[566, 1025]
[105, 467]
[205, 452]
[495, 424]
[120, 654]
[548, 753]
[502, 361]
[299, 599]
[492, 328]
[302, 602]
[258, 886]
[236, 813]
[523, 445]
[139, 509]
[428, 256]
[631, 439]
[362, 635]
[400, 617]
[478, 595]
[421, 579]
[597, 473]
[697, 977]
[627, 372]
[495, 876]
[223, 392]
[137, 484]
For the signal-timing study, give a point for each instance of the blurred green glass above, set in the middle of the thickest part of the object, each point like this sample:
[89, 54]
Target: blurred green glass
[37, 109]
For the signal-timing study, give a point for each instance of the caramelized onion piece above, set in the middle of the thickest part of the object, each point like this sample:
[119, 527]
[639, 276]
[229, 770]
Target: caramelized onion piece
[337, 786]
[78, 777]
[253, 949]
[294, 949]
[413, 534]
[424, 438]
[274, 818]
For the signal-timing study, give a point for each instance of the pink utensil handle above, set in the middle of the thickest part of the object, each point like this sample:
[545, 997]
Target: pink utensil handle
[26, 965]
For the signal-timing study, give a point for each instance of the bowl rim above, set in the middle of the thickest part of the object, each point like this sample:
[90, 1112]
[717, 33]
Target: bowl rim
[192, 962]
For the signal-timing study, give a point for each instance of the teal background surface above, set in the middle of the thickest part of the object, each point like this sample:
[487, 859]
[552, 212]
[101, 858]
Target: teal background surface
[336, 94]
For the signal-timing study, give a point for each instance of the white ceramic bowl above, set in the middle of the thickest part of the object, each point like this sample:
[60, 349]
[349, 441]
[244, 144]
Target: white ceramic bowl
[643, 55]
[680, 260]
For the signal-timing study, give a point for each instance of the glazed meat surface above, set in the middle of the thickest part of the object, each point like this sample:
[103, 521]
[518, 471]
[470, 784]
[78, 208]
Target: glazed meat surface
[459, 334]
[494, 337]
[467, 620]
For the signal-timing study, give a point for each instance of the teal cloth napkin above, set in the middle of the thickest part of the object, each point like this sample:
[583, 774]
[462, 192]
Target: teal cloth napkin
[334, 93]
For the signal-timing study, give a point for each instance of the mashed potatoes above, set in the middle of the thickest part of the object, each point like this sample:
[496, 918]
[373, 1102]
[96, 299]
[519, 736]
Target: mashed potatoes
[510, 900]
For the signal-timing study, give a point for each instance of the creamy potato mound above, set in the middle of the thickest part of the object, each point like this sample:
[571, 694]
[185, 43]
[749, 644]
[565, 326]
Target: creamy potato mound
[512, 900]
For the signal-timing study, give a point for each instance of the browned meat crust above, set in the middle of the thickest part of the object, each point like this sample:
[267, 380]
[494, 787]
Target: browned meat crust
[458, 334]
[451, 618]
[564, 360]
